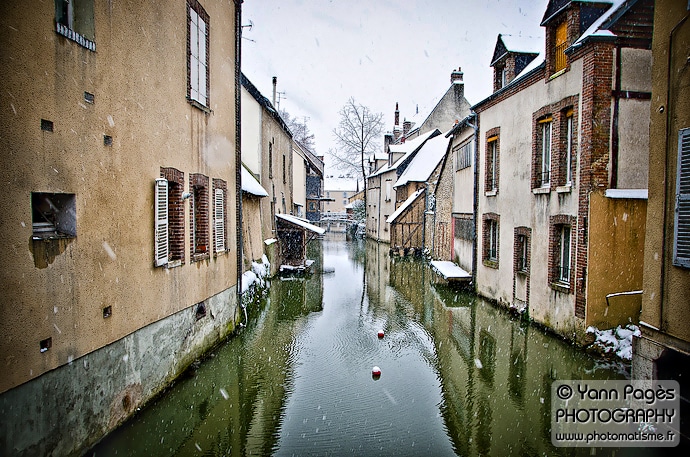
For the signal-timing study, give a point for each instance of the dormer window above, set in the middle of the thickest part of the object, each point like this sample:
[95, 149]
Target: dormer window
[561, 42]
[504, 77]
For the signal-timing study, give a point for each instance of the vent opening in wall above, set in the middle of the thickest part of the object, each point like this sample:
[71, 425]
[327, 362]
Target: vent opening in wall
[200, 311]
[54, 215]
[46, 344]
[107, 140]
[107, 312]
[46, 125]
[89, 97]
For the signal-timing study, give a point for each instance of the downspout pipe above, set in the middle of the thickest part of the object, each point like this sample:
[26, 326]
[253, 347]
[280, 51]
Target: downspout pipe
[238, 154]
[475, 198]
[615, 138]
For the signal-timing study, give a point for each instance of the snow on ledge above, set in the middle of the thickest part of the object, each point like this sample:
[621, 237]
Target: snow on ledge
[449, 270]
[637, 194]
[302, 223]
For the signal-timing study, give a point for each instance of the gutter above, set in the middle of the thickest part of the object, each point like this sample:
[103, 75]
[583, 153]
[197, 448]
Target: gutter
[238, 153]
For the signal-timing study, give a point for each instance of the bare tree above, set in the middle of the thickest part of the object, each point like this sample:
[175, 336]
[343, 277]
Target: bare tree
[300, 130]
[356, 136]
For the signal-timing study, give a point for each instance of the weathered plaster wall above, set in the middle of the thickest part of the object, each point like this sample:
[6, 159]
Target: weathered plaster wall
[67, 410]
[251, 133]
[518, 206]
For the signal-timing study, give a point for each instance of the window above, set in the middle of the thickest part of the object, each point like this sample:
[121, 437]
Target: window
[545, 152]
[568, 157]
[344, 194]
[270, 160]
[197, 51]
[564, 254]
[464, 227]
[388, 190]
[74, 20]
[219, 210]
[284, 171]
[561, 257]
[492, 161]
[463, 155]
[53, 215]
[490, 240]
[312, 206]
[504, 77]
[198, 214]
[681, 227]
[522, 249]
[169, 218]
[559, 50]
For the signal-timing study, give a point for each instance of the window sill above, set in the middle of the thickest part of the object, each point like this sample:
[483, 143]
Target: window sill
[524, 273]
[196, 257]
[557, 74]
[70, 34]
[173, 264]
[491, 193]
[561, 287]
[541, 190]
[564, 189]
[491, 264]
[203, 108]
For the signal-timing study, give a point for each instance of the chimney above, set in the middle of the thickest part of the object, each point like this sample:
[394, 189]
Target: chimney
[397, 114]
[456, 76]
[407, 125]
[275, 83]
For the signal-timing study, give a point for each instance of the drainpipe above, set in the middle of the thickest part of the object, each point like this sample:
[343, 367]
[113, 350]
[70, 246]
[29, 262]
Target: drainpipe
[238, 152]
[614, 127]
[475, 198]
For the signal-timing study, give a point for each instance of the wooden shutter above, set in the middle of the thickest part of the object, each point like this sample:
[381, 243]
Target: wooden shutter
[219, 219]
[681, 235]
[161, 222]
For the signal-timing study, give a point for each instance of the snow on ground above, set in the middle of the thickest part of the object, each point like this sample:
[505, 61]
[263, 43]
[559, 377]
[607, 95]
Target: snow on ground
[256, 276]
[616, 341]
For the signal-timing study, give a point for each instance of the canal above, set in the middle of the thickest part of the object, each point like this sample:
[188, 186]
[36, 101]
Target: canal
[459, 376]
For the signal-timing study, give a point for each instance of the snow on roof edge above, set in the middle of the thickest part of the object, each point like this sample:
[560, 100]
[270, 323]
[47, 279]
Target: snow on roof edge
[404, 206]
[302, 223]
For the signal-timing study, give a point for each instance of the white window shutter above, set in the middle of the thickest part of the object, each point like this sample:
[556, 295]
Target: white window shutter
[681, 235]
[219, 219]
[161, 222]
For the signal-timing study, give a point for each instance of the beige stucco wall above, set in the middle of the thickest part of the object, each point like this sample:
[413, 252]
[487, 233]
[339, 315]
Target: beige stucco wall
[615, 259]
[665, 300]
[518, 206]
[633, 128]
[251, 132]
[279, 190]
[138, 77]
[253, 243]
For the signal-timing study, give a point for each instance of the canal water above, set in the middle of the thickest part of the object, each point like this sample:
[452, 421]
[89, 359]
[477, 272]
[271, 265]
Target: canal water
[459, 376]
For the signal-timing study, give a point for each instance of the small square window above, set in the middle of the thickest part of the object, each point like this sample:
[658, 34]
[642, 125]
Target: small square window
[107, 312]
[46, 125]
[46, 344]
[53, 215]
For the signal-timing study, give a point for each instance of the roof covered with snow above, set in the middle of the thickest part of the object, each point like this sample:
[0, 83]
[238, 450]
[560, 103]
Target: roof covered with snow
[404, 206]
[518, 43]
[425, 162]
[599, 27]
[449, 270]
[411, 148]
[251, 185]
[301, 223]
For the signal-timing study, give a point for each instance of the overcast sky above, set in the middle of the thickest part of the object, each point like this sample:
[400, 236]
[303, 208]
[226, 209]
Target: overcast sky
[378, 51]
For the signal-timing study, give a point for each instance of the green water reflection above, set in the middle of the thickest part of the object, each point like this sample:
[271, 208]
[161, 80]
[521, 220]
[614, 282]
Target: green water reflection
[460, 377]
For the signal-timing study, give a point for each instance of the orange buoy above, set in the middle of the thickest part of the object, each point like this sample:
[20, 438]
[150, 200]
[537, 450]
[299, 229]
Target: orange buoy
[381, 333]
[376, 372]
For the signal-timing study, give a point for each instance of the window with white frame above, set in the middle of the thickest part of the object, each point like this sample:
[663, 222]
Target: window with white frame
[564, 254]
[681, 226]
[169, 218]
[561, 255]
[545, 128]
[198, 53]
[569, 148]
[219, 212]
